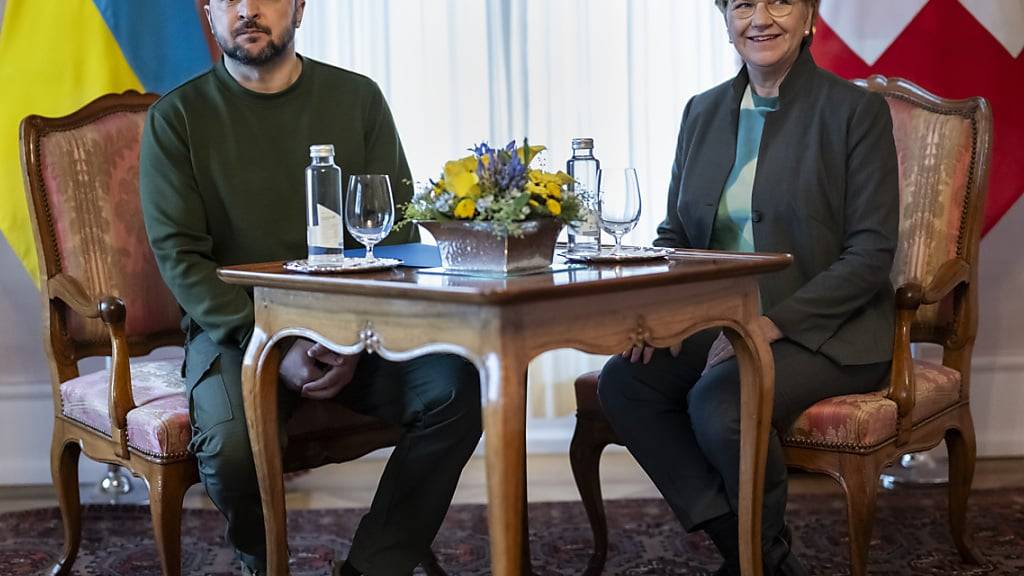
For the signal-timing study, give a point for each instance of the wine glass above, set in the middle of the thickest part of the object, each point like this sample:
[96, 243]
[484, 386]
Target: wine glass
[369, 209]
[620, 203]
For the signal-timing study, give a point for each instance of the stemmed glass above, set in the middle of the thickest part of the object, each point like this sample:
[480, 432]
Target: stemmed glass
[620, 203]
[369, 209]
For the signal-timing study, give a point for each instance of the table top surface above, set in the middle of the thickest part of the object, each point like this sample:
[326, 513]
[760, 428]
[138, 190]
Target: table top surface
[682, 267]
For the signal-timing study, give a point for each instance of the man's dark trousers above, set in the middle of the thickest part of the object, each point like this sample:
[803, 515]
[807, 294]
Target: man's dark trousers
[436, 400]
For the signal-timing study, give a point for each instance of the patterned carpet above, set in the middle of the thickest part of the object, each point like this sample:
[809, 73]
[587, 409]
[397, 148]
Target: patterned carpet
[910, 538]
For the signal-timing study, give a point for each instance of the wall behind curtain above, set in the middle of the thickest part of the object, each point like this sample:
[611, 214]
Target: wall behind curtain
[457, 72]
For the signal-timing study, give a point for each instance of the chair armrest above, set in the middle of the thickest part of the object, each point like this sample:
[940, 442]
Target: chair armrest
[111, 310]
[951, 274]
[901, 379]
[70, 291]
[909, 298]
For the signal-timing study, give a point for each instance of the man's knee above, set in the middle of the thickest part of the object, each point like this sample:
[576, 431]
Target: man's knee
[453, 396]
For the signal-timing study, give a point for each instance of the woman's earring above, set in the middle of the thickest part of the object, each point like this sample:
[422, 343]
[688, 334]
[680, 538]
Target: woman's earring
[807, 32]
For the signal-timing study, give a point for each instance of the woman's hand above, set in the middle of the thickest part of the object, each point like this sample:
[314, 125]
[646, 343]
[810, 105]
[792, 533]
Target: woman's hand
[645, 353]
[721, 349]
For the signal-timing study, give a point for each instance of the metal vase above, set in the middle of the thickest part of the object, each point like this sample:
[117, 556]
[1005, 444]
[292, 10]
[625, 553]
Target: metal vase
[486, 247]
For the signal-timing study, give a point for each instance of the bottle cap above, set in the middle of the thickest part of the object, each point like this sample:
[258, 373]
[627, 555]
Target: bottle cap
[321, 150]
[582, 143]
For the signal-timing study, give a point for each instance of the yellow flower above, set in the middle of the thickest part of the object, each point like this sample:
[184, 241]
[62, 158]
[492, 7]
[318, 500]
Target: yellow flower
[465, 184]
[460, 166]
[533, 151]
[534, 203]
[560, 178]
[547, 184]
[537, 189]
[465, 209]
[438, 188]
[541, 177]
[460, 177]
[554, 207]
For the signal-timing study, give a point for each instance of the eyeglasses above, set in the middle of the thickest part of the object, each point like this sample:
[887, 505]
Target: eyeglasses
[744, 9]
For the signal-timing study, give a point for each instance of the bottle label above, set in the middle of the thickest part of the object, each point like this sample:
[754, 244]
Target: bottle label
[328, 232]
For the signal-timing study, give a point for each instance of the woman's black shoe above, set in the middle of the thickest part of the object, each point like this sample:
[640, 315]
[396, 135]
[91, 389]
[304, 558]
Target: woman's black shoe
[777, 554]
[345, 569]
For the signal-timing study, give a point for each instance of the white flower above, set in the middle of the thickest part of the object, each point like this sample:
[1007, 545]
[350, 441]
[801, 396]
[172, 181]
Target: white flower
[443, 203]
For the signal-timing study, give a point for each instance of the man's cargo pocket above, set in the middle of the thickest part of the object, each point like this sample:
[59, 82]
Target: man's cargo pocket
[208, 402]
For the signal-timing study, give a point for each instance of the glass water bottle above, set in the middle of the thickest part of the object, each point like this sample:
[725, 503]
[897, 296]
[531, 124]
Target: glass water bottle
[325, 226]
[585, 235]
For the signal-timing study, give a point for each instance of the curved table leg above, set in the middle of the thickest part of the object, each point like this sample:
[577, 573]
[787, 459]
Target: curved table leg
[259, 394]
[757, 388]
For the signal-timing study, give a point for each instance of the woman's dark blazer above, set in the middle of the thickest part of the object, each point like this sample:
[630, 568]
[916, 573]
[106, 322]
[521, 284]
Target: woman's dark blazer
[826, 190]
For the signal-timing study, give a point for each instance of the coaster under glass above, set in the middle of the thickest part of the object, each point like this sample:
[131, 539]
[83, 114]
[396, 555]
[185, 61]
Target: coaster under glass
[627, 254]
[341, 265]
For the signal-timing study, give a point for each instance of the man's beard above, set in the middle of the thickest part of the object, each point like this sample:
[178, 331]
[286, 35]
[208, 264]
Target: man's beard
[270, 52]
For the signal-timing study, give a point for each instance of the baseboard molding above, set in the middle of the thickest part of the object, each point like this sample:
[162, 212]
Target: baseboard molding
[25, 471]
[15, 390]
[988, 364]
[36, 470]
[549, 435]
[999, 446]
[996, 398]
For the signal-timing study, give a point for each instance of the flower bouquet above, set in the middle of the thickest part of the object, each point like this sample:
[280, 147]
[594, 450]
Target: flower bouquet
[491, 211]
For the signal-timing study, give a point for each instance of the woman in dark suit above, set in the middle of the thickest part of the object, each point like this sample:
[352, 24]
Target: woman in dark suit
[785, 157]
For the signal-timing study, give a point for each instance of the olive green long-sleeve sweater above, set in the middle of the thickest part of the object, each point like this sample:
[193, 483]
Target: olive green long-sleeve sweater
[222, 178]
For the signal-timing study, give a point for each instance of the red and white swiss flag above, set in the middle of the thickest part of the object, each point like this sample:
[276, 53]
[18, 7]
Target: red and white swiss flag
[953, 48]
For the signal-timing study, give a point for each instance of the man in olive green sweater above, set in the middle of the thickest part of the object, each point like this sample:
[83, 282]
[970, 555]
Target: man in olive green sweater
[221, 179]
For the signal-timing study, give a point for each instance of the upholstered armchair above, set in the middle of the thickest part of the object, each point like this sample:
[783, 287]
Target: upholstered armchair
[943, 148]
[103, 296]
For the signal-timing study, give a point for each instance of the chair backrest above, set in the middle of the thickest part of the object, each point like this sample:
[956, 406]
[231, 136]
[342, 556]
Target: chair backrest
[82, 180]
[943, 148]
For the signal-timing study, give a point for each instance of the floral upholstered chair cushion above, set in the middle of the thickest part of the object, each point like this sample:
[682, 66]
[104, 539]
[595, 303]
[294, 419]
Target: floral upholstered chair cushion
[861, 421]
[159, 424]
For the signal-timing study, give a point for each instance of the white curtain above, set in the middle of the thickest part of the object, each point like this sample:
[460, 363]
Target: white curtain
[458, 72]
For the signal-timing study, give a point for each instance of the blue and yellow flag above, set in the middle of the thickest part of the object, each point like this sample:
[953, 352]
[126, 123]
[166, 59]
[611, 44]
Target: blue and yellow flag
[58, 55]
